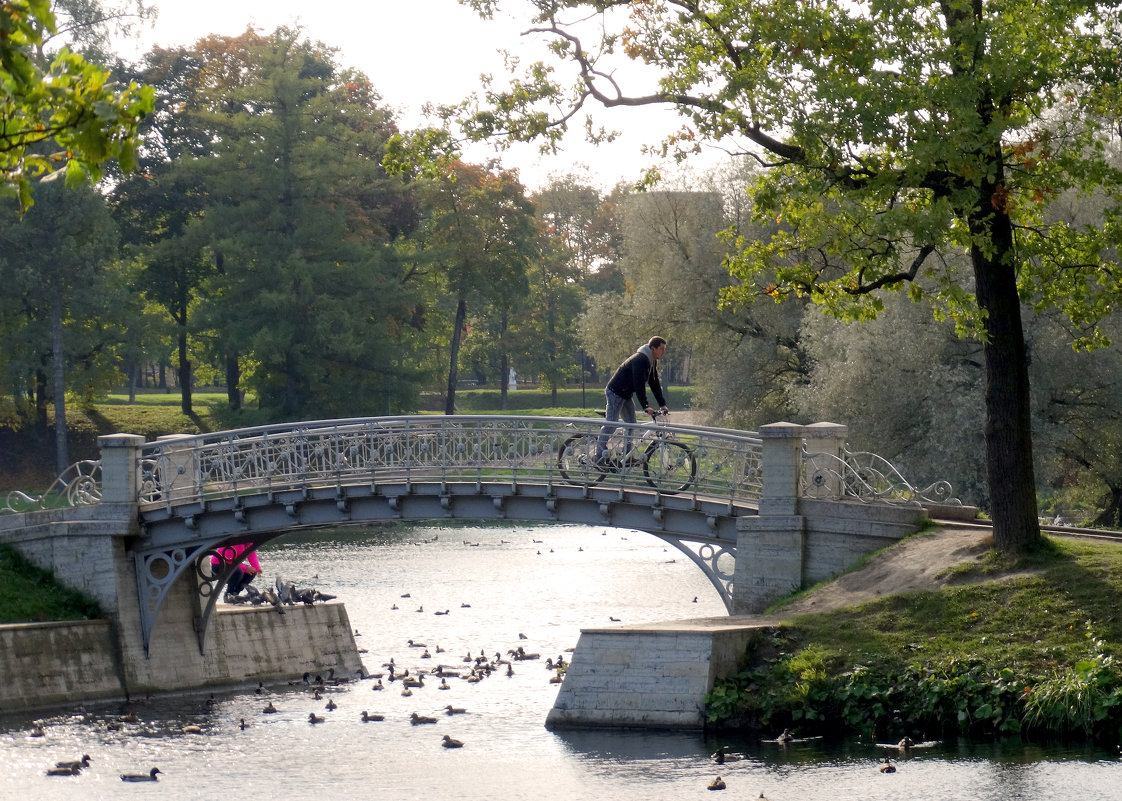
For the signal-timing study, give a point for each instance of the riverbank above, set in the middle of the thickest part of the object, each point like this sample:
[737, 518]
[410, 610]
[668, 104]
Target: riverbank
[940, 636]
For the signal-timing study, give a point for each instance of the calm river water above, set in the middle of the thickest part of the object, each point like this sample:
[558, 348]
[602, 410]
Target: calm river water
[497, 585]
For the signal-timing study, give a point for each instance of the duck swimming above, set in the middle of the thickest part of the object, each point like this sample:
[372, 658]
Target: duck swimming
[717, 784]
[454, 710]
[448, 742]
[887, 766]
[418, 720]
[721, 755]
[314, 718]
[84, 762]
[150, 776]
[269, 709]
[73, 771]
[331, 704]
[367, 718]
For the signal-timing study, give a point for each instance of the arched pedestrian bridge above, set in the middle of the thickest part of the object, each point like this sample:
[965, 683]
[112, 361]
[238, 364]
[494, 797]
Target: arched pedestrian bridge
[198, 492]
[700, 489]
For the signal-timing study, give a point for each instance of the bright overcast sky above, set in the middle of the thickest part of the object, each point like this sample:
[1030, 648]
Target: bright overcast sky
[420, 51]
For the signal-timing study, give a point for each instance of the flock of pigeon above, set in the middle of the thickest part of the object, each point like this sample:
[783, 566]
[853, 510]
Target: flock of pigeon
[284, 594]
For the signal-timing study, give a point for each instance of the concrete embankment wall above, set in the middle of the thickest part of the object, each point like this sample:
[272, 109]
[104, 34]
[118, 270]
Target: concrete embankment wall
[649, 676]
[54, 664]
[48, 664]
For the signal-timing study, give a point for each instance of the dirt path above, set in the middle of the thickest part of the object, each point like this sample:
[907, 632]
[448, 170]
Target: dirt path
[914, 564]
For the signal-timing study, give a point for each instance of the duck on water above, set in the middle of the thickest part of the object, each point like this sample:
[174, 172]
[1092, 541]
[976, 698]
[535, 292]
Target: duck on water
[150, 776]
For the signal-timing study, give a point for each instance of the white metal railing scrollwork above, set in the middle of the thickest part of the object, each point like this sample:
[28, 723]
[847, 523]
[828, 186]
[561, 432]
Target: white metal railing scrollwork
[79, 485]
[868, 478]
[481, 448]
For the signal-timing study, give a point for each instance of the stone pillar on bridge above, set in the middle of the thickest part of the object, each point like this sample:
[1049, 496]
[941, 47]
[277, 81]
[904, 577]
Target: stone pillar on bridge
[119, 479]
[770, 546]
[119, 483]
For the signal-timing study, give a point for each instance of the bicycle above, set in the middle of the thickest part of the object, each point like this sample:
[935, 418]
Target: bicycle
[668, 465]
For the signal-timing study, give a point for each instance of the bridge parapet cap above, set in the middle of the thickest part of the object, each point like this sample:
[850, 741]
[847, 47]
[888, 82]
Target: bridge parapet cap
[825, 430]
[120, 441]
[782, 431]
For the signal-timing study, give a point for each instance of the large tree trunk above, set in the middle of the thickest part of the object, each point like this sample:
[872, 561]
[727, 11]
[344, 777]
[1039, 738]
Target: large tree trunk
[184, 371]
[1008, 426]
[58, 357]
[233, 381]
[454, 359]
[504, 361]
[292, 394]
[41, 401]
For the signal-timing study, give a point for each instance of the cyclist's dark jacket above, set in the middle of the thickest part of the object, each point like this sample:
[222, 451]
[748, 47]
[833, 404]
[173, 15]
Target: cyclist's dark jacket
[634, 374]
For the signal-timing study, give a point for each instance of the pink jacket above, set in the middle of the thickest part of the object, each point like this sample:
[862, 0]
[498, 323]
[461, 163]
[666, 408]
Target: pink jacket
[230, 553]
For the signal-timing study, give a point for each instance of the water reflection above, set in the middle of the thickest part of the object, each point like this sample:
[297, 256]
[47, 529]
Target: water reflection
[542, 582]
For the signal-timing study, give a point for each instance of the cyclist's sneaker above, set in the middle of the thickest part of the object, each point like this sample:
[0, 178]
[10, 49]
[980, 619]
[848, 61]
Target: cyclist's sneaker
[606, 463]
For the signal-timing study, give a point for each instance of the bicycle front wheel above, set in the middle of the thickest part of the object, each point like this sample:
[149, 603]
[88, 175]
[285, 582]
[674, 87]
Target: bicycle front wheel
[669, 466]
[576, 460]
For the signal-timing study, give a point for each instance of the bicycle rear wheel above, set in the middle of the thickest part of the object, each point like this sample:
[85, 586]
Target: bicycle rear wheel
[669, 466]
[576, 460]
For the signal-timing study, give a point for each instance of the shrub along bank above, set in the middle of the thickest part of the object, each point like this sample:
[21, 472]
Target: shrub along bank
[1031, 652]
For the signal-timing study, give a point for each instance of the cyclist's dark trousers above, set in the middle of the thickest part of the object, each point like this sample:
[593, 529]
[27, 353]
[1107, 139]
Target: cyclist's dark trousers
[618, 408]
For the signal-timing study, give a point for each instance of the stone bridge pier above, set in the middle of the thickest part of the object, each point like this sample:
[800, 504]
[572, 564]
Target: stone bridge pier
[797, 540]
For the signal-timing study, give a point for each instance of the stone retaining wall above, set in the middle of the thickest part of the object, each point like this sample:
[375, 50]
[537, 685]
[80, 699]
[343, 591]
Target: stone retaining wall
[650, 676]
[53, 664]
[50, 664]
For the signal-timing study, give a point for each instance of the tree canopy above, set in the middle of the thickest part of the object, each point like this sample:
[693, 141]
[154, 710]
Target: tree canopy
[66, 118]
[896, 134]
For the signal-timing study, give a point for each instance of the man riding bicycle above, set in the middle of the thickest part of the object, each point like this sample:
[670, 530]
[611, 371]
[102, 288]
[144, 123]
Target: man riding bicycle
[631, 378]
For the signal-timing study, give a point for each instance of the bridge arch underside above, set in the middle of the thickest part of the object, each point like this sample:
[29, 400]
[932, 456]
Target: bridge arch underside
[181, 539]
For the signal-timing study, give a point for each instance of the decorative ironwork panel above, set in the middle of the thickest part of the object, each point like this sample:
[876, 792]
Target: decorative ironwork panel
[337, 453]
[868, 478]
[79, 485]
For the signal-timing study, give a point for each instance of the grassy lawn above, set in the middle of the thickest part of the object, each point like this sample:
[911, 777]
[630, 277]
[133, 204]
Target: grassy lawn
[31, 595]
[1032, 648]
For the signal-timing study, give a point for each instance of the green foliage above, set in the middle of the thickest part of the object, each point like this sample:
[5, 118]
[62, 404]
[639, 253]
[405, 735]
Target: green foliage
[71, 104]
[1084, 698]
[31, 595]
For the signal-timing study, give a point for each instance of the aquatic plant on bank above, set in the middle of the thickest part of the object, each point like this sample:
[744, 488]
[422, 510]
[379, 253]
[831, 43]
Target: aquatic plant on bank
[812, 692]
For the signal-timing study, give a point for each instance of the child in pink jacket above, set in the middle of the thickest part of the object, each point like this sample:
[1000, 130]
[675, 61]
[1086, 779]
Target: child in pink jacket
[248, 569]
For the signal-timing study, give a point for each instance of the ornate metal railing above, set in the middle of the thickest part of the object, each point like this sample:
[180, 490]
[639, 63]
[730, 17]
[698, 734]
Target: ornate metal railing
[868, 478]
[417, 448]
[79, 485]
